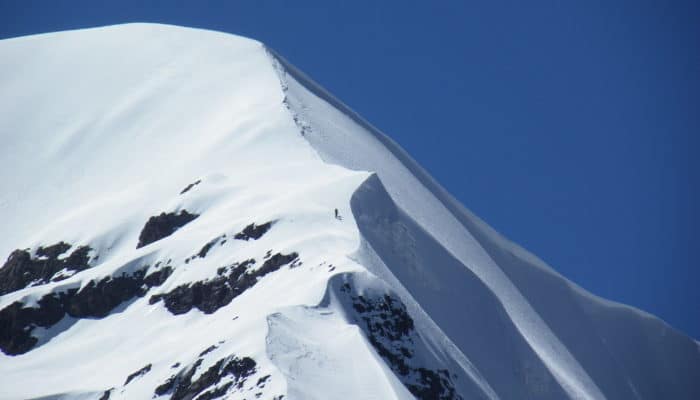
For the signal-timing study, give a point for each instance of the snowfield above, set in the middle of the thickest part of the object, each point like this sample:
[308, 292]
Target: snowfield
[169, 231]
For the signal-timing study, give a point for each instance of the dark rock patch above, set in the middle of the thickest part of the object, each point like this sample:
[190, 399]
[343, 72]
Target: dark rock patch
[213, 294]
[181, 386]
[141, 372]
[21, 269]
[96, 300]
[205, 249]
[296, 263]
[53, 251]
[390, 330]
[163, 225]
[207, 350]
[165, 387]
[158, 277]
[17, 322]
[253, 231]
[262, 381]
[106, 394]
[185, 375]
[207, 296]
[433, 385]
[190, 186]
[274, 263]
[215, 393]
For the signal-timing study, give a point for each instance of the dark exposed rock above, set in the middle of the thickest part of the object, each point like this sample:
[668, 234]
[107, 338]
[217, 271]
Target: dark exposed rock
[78, 259]
[165, 387]
[163, 225]
[274, 263]
[253, 231]
[215, 393]
[262, 381]
[184, 376]
[433, 385]
[390, 330]
[158, 277]
[53, 251]
[106, 394]
[206, 379]
[208, 296]
[141, 372]
[96, 300]
[183, 387]
[190, 186]
[388, 327]
[207, 350]
[17, 322]
[205, 249]
[21, 269]
[213, 294]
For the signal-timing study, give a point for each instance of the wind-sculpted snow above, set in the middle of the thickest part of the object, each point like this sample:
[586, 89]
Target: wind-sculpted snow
[432, 249]
[203, 221]
[439, 283]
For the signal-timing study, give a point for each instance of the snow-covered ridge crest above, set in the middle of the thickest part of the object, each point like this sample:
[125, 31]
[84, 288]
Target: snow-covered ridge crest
[203, 221]
[512, 274]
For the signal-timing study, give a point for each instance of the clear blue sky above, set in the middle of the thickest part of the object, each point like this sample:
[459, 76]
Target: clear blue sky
[571, 128]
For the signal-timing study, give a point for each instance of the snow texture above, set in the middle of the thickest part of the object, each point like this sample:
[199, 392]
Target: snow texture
[188, 216]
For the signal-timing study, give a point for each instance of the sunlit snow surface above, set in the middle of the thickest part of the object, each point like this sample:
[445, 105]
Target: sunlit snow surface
[102, 129]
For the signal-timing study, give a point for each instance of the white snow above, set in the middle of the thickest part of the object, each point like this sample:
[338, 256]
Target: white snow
[103, 128]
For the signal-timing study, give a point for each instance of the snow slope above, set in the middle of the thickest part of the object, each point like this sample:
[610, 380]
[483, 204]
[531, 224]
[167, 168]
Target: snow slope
[200, 173]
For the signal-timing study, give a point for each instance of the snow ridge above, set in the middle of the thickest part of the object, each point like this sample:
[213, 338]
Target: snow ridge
[240, 233]
[331, 128]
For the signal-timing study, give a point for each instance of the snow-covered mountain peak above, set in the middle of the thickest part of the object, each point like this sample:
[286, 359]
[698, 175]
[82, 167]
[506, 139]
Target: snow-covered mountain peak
[186, 215]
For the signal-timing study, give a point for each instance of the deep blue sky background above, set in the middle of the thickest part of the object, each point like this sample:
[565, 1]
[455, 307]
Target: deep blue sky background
[571, 128]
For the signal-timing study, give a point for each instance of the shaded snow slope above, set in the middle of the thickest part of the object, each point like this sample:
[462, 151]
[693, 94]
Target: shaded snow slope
[169, 225]
[434, 248]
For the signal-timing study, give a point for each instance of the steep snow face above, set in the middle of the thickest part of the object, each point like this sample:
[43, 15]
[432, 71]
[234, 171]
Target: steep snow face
[187, 216]
[494, 300]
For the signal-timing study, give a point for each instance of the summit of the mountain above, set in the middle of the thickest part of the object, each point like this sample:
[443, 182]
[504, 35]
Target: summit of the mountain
[188, 216]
